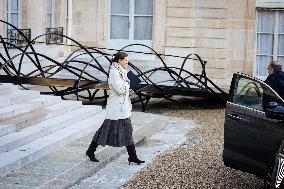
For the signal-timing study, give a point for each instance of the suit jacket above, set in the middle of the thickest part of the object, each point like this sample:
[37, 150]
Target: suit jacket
[118, 104]
[276, 82]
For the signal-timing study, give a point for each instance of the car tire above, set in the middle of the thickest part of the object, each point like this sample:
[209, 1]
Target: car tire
[270, 179]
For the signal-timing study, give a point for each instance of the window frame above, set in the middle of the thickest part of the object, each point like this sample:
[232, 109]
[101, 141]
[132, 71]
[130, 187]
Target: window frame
[131, 16]
[266, 89]
[18, 12]
[52, 13]
[275, 34]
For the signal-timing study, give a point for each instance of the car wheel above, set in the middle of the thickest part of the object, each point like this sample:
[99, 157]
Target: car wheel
[275, 173]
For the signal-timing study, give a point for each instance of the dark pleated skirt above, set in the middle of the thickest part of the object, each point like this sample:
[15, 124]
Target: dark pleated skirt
[115, 133]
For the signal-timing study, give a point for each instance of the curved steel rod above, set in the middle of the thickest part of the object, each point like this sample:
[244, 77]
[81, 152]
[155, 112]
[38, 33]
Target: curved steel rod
[78, 66]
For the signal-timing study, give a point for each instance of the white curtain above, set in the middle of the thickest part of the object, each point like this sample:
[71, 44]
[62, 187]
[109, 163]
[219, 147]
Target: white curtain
[143, 19]
[49, 12]
[120, 7]
[265, 30]
[144, 7]
[119, 19]
[14, 12]
[119, 27]
[143, 28]
[280, 52]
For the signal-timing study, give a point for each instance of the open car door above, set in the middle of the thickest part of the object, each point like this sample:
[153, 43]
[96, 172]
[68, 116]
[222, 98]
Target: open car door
[251, 132]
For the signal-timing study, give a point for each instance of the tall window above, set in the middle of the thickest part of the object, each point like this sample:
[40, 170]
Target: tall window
[270, 39]
[131, 19]
[14, 12]
[50, 11]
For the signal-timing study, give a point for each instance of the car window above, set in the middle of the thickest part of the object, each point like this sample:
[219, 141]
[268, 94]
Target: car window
[253, 93]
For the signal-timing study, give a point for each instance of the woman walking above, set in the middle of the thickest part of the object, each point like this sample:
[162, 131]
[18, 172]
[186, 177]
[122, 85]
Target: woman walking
[116, 129]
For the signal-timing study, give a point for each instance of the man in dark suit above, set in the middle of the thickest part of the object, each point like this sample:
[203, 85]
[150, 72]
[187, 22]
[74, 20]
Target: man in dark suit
[275, 80]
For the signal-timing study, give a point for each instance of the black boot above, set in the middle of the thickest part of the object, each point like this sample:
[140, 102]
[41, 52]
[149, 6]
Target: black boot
[132, 155]
[90, 152]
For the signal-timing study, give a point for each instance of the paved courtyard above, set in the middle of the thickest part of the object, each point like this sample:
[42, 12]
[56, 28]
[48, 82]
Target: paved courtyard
[182, 146]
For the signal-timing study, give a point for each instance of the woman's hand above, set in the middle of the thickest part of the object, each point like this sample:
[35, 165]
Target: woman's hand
[131, 92]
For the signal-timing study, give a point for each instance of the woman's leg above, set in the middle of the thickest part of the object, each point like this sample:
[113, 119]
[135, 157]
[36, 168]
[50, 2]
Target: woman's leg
[91, 150]
[132, 155]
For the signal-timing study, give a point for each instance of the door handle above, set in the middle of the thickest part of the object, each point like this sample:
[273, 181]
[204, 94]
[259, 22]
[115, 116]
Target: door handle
[234, 117]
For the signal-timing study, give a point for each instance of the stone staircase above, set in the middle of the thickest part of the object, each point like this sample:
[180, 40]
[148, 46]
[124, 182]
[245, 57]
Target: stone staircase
[68, 167]
[33, 125]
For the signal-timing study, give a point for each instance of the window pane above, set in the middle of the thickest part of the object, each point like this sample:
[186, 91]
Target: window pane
[119, 27]
[14, 19]
[281, 45]
[281, 60]
[120, 6]
[248, 93]
[261, 64]
[144, 7]
[14, 5]
[281, 21]
[265, 21]
[49, 21]
[143, 28]
[254, 94]
[49, 6]
[265, 44]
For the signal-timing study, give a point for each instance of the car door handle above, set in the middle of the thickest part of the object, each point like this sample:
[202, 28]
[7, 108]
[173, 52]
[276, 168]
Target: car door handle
[234, 117]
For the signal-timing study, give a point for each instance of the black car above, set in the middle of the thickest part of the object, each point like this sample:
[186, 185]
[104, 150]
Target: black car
[254, 130]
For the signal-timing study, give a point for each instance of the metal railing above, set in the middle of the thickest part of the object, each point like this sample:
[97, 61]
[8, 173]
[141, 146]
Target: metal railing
[52, 36]
[15, 38]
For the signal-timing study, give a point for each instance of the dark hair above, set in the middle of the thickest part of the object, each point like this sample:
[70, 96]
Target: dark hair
[119, 56]
[276, 66]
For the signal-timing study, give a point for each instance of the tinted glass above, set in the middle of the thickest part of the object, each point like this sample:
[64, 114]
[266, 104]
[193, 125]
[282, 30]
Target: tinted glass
[253, 94]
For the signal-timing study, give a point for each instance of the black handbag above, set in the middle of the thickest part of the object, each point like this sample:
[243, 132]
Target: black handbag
[134, 80]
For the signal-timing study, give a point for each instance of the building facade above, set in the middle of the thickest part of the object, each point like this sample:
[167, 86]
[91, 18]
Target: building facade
[233, 36]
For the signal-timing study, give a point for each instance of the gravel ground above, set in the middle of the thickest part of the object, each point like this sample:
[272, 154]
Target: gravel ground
[199, 165]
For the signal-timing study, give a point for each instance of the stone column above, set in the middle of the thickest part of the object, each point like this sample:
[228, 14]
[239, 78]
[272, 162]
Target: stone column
[37, 17]
[159, 25]
[102, 23]
[69, 21]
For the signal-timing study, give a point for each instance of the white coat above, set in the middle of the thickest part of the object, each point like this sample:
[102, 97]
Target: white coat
[118, 103]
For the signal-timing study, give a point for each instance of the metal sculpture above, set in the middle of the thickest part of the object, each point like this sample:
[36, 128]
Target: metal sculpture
[87, 70]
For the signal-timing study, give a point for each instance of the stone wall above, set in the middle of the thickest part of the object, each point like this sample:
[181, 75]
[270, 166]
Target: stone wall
[85, 21]
[220, 31]
[60, 19]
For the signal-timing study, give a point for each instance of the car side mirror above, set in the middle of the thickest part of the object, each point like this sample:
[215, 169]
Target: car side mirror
[274, 111]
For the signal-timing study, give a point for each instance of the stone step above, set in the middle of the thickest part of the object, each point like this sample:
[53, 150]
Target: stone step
[117, 172]
[16, 158]
[27, 119]
[16, 139]
[14, 110]
[74, 175]
[6, 129]
[67, 167]
[7, 88]
[17, 97]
